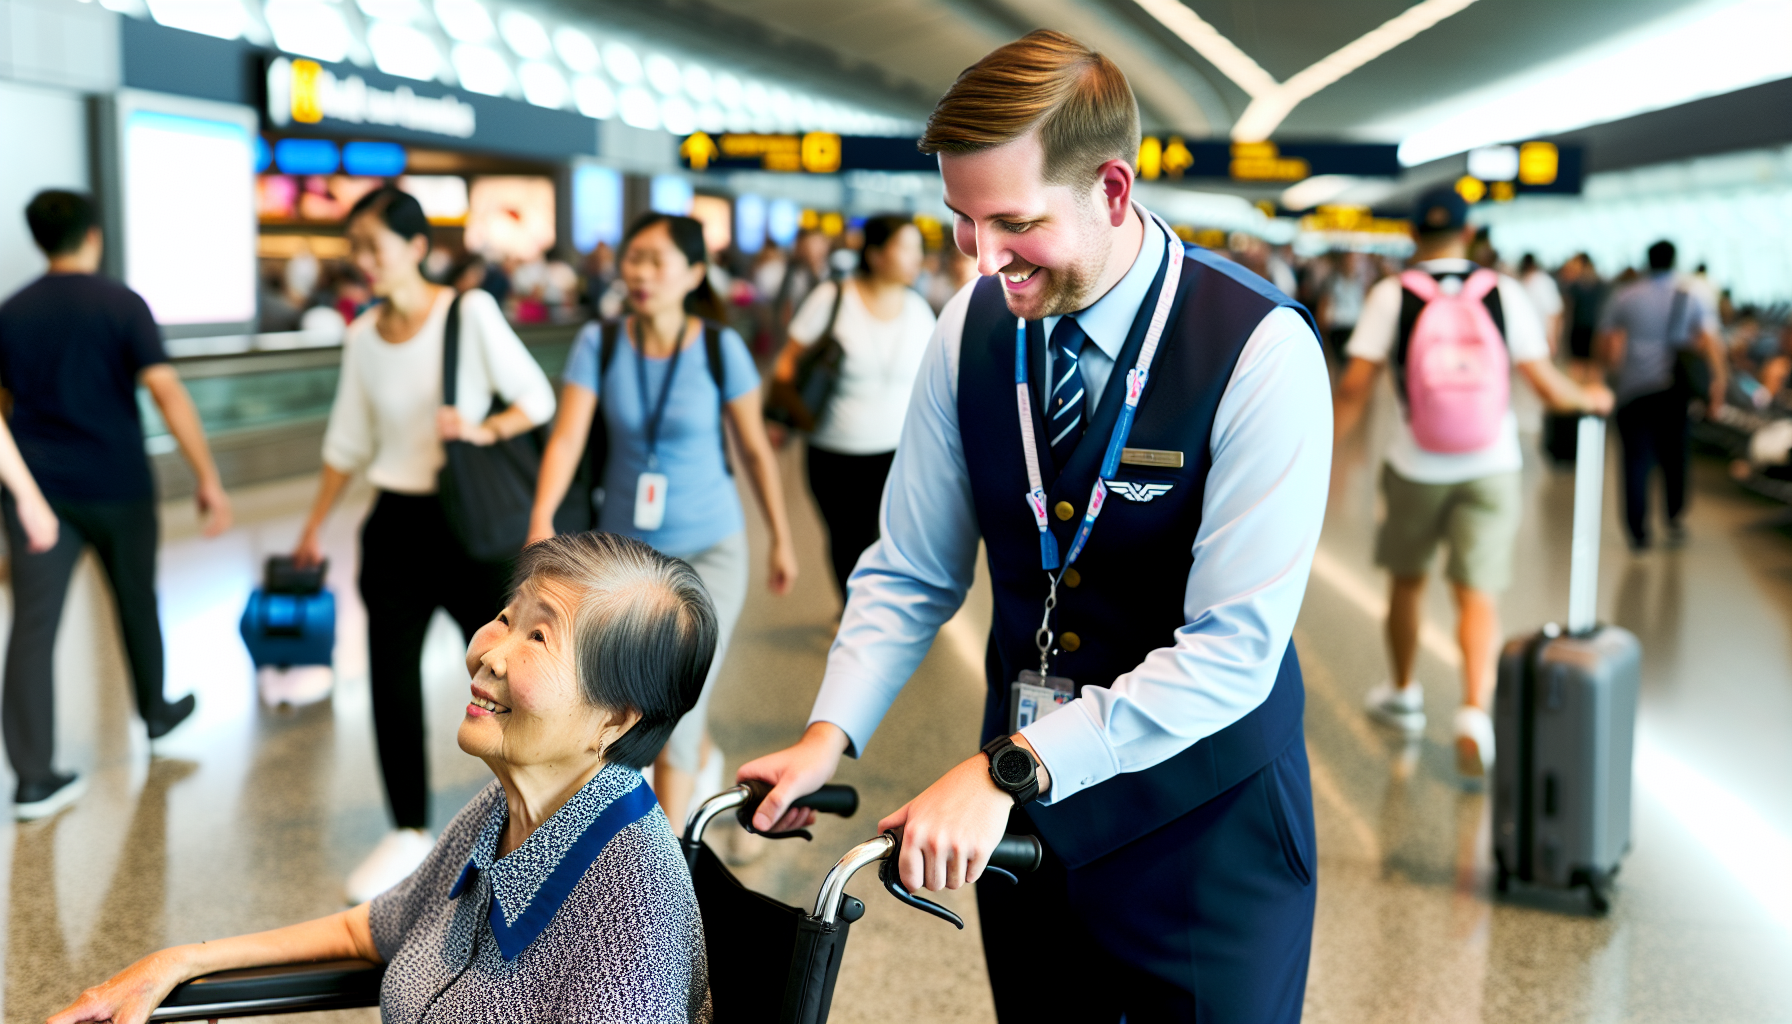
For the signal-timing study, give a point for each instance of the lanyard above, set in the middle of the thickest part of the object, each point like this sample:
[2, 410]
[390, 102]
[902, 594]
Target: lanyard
[658, 412]
[1110, 463]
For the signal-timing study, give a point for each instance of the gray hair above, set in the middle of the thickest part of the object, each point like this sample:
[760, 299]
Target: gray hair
[644, 631]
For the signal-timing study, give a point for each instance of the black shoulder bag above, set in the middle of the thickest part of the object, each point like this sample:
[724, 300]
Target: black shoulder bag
[486, 491]
[801, 403]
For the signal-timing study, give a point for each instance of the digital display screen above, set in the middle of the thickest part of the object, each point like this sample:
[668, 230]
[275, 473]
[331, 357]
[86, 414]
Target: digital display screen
[596, 207]
[189, 217]
[510, 216]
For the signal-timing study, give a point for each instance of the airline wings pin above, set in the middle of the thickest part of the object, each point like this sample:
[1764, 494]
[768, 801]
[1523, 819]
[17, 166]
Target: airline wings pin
[1132, 491]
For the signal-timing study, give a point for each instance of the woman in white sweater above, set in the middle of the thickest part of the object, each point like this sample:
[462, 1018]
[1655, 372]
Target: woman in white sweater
[883, 326]
[389, 422]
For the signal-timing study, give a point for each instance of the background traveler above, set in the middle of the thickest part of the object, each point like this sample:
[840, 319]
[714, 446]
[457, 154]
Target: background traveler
[1647, 329]
[1546, 299]
[565, 733]
[389, 421]
[882, 327]
[74, 346]
[1583, 293]
[805, 271]
[666, 477]
[1465, 497]
[1172, 794]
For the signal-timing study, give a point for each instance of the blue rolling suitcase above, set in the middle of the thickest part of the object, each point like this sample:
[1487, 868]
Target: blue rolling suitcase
[289, 627]
[1564, 724]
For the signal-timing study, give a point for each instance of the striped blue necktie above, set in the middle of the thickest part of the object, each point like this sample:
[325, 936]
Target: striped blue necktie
[1064, 410]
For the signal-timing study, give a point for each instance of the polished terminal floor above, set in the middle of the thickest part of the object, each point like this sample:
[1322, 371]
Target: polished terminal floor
[255, 819]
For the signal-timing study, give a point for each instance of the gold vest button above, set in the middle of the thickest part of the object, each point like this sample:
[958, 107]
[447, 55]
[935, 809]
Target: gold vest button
[1070, 641]
[1072, 577]
[1065, 510]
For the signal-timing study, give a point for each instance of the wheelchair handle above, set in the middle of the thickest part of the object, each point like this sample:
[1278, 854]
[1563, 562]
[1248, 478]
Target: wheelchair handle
[744, 799]
[1014, 854]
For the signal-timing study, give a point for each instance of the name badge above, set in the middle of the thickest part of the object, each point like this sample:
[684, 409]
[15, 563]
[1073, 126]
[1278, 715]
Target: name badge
[1034, 696]
[1150, 457]
[650, 501]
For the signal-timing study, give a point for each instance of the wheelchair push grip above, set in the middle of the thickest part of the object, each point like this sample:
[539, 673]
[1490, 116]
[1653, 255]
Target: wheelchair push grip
[829, 799]
[1017, 854]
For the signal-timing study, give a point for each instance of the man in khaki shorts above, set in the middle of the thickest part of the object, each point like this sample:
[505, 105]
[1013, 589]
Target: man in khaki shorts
[1466, 500]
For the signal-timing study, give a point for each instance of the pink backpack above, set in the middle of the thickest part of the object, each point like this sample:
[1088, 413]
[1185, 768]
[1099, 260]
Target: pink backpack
[1457, 372]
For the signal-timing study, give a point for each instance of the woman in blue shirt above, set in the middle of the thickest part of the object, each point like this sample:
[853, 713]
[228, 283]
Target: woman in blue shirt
[666, 479]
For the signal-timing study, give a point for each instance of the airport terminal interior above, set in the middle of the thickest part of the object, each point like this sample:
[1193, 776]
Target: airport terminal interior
[1317, 150]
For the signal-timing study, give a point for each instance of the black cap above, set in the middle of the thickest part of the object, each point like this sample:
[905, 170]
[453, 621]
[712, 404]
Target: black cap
[1440, 209]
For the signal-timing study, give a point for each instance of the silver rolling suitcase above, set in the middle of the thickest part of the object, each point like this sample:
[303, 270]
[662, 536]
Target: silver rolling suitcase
[1564, 724]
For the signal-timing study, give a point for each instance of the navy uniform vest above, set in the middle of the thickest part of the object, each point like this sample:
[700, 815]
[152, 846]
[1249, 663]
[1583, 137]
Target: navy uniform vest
[1134, 570]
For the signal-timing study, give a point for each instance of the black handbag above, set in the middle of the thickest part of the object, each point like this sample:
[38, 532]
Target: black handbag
[487, 491]
[804, 401]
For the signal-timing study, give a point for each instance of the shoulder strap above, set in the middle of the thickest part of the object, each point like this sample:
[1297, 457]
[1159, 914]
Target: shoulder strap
[1677, 312]
[718, 371]
[608, 336]
[451, 353]
[839, 298]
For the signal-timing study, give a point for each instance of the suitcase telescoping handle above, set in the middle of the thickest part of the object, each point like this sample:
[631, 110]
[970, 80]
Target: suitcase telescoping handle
[1589, 492]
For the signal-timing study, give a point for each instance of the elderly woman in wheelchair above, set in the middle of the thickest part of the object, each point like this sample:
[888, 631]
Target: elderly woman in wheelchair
[560, 892]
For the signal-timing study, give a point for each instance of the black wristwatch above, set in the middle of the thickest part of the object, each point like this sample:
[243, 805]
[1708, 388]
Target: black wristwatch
[1014, 769]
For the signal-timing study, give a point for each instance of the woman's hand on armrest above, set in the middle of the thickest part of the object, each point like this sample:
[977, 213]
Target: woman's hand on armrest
[129, 996]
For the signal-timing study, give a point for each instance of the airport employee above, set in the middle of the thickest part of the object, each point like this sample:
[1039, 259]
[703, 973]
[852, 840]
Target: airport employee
[1152, 491]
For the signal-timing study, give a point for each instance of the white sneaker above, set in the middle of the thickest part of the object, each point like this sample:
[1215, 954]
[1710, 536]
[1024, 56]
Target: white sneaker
[1402, 709]
[390, 863]
[709, 777]
[1474, 743]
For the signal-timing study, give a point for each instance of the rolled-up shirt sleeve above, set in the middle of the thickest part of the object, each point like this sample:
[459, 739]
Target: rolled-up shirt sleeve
[915, 577]
[1260, 522]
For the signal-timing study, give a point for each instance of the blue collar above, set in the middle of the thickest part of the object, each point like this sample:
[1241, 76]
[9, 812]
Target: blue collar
[1108, 320]
[529, 884]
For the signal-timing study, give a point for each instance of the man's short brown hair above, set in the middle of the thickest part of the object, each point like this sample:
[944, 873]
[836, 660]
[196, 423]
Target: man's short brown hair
[1079, 102]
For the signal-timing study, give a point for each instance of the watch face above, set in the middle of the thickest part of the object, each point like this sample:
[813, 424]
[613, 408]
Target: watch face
[1014, 767]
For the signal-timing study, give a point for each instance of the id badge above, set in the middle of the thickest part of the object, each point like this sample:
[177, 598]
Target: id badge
[1034, 696]
[650, 501]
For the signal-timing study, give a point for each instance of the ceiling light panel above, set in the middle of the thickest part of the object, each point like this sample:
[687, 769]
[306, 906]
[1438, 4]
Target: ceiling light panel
[729, 91]
[309, 28]
[481, 69]
[543, 85]
[638, 108]
[622, 63]
[663, 74]
[465, 21]
[524, 35]
[405, 51]
[224, 19]
[577, 51]
[594, 97]
[699, 85]
[410, 12]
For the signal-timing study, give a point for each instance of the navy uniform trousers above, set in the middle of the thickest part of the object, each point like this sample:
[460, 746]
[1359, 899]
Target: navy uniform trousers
[1209, 918]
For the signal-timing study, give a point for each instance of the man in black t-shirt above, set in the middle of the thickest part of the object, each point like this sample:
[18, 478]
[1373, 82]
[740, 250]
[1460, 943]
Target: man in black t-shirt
[73, 348]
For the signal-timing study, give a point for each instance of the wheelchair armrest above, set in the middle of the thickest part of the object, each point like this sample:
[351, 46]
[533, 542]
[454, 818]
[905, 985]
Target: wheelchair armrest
[288, 988]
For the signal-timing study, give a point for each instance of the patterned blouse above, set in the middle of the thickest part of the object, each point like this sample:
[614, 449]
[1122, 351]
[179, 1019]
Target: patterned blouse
[592, 918]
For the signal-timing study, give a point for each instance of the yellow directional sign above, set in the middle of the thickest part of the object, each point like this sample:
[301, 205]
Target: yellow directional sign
[699, 149]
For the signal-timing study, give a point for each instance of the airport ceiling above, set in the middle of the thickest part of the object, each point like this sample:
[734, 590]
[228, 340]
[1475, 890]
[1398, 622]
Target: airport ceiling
[901, 54]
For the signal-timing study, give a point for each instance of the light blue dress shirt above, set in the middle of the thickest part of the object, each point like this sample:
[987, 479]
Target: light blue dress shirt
[1261, 515]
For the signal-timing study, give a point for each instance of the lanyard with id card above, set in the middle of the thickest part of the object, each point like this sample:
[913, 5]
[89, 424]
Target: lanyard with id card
[651, 486]
[1035, 695]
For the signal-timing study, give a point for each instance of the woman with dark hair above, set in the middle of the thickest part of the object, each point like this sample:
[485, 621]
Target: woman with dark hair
[882, 325]
[559, 893]
[389, 421]
[668, 381]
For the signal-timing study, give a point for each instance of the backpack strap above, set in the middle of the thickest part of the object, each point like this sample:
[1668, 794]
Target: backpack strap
[597, 440]
[718, 372]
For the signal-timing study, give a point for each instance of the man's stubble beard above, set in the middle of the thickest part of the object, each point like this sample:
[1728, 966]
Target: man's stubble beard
[1068, 288]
